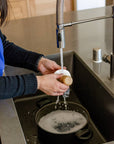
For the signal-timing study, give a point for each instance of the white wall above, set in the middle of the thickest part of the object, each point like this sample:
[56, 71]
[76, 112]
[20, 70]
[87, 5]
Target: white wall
[88, 4]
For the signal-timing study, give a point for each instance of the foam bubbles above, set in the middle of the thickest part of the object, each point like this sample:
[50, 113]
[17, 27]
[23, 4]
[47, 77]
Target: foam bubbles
[62, 122]
[63, 71]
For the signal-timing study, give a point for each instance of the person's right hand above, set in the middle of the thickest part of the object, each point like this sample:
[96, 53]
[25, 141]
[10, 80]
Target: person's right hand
[50, 85]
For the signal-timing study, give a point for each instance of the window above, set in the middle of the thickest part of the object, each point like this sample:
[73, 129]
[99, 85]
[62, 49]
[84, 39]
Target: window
[88, 4]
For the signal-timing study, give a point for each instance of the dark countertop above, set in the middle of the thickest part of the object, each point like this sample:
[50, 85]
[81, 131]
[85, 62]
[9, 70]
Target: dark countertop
[39, 34]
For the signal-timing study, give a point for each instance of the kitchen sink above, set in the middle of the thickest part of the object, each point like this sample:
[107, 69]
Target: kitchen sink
[86, 90]
[94, 96]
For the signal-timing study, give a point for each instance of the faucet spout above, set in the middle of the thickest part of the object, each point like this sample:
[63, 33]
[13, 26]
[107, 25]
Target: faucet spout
[59, 12]
[60, 24]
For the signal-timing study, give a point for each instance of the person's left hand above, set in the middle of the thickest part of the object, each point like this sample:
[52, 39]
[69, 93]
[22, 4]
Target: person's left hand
[46, 66]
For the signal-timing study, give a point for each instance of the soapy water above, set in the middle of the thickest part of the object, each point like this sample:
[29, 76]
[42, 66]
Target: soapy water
[63, 127]
[62, 122]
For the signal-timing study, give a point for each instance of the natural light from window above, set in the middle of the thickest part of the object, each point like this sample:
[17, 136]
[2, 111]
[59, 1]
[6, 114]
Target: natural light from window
[88, 4]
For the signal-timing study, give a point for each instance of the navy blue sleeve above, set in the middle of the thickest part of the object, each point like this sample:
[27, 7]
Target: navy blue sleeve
[13, 86]
[19, 57]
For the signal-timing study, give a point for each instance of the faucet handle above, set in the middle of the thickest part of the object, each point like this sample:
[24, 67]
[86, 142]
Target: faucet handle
[60, 37]
[106, 58]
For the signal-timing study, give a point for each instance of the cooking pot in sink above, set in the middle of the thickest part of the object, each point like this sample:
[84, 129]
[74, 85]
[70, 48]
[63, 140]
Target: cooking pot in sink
[60, 126]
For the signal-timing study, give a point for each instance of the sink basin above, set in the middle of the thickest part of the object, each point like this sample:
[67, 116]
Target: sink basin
[87, 90]
[98, 101]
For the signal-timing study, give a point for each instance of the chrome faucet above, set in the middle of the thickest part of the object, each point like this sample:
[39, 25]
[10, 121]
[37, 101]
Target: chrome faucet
[60, 33]
[60, 24]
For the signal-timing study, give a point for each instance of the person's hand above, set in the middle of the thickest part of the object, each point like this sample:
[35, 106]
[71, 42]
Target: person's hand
[46, 66]
[50, 85]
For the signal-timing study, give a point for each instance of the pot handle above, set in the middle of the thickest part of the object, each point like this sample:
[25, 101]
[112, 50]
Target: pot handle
[84, 134]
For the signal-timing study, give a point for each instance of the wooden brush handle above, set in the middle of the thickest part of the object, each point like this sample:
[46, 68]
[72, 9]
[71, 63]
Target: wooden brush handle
[66, 80]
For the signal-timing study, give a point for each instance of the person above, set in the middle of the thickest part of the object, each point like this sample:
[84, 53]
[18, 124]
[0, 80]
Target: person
[19, 85]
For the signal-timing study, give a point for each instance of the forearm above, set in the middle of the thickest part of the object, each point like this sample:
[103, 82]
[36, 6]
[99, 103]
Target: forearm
[16, 56]
[13, 86]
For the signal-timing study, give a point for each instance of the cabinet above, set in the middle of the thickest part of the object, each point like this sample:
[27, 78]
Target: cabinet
[29, 8]
[17, 9]
[109, 2]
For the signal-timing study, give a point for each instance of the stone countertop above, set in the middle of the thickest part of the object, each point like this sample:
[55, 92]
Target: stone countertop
[39, 34]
